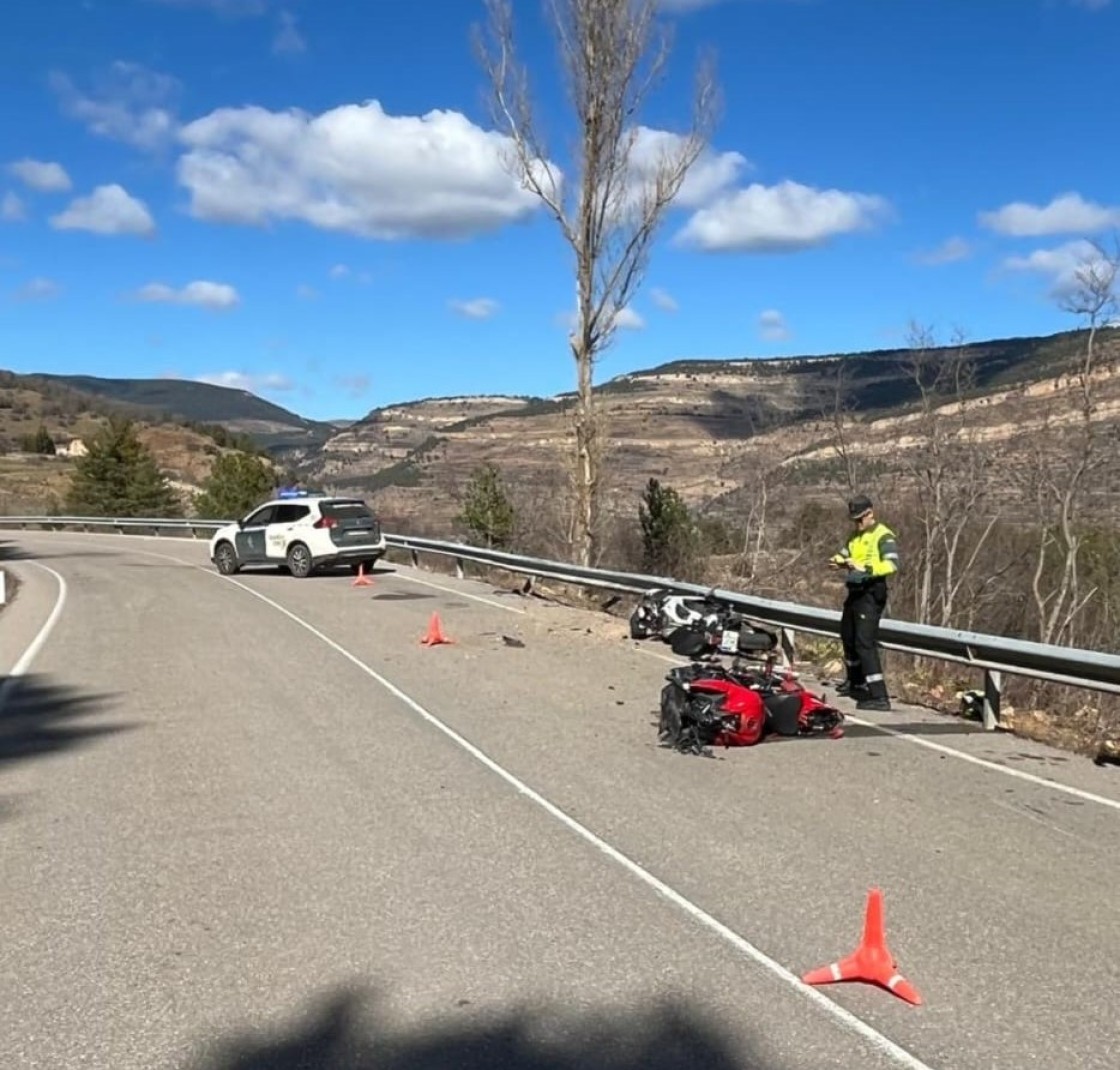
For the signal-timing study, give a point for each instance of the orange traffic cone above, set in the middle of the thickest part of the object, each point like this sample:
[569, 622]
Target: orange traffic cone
[871, 962]
[361, 579]
[435, 634]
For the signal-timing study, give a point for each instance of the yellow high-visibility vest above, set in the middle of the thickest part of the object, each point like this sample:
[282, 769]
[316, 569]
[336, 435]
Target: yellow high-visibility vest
[875, 551]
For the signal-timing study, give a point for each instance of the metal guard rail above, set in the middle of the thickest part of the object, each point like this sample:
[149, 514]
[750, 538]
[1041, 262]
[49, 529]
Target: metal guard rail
[995, 655]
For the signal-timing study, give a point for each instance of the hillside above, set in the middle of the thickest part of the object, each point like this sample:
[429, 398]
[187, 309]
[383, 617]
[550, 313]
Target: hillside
[33, 483]
[239, 411]
[706, 427]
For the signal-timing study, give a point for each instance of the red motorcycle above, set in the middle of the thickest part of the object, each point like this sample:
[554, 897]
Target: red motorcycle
[709, 705]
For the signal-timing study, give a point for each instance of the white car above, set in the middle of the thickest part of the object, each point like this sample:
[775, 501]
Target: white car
[302, 532]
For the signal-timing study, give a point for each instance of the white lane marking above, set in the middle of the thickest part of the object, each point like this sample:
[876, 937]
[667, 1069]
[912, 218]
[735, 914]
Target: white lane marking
[203, 543]
[984, 763]
[876, 1039]
[461, 594]
[660, 657]
[1019, 774]
[32, 652]
[908, 737]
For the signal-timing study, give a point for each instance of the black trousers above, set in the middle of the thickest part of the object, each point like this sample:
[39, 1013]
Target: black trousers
[859, 632]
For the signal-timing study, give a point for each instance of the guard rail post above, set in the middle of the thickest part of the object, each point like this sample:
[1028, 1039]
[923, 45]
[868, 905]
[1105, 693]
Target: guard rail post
[993, 683]
[3, 588]
[789, 645]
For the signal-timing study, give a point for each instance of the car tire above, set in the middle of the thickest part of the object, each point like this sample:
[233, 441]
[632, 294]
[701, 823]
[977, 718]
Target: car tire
[225, 559]
[299, 561]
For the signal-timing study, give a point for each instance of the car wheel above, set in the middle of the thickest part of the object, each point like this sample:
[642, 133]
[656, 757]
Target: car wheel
[299, 561]
[225, 558]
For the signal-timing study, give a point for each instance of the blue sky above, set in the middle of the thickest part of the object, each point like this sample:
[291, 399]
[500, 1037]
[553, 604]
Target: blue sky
[303, 197]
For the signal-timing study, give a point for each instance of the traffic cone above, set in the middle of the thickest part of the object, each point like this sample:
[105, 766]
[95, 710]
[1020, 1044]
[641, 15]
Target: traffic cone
[435, 634]
[361, 579]
[871, 962]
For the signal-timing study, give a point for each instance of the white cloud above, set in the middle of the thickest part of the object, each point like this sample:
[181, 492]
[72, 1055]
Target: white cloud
[626, 319]
[11, 208]
[1059, 265]
[41, 175]
[130, 104]
[710, 174]
[772, 326]
[358, 170]
[108, 210]
[478, 308]
[38, 289]
[201, 294]
[947, 252]
[339, 271]
[306, 293]
[288, 39]
[785, 217]
[663, 299]
[254, 383]
[1068, 213]
[353, 169]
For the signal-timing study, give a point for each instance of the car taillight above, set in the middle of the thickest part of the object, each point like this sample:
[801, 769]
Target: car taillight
[326, 522]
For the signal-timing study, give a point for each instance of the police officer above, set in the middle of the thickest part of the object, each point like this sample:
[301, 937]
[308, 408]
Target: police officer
[870, 556]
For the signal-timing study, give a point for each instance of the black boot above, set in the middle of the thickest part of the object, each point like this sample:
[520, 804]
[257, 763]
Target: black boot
[846, 687]
[866, 702]
[875, 697]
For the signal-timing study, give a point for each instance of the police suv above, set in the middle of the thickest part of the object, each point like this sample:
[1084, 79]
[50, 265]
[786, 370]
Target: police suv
[302, 531]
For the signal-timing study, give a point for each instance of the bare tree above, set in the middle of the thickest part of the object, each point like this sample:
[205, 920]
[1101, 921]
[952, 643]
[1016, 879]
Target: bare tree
[950, 475]
[840, 407]
[1057, 587]
[613, 53]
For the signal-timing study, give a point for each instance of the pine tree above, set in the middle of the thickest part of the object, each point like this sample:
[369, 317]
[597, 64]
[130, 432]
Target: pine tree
[39, 442]
[236, 484]
[120, 477]
[669, 533]
[487, 511]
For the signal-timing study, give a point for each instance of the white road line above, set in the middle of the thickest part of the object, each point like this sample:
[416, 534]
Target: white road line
[461, 594]
[1019, 774]
[876, 1039]
[32, 652]
[908, 737]
[201, 543]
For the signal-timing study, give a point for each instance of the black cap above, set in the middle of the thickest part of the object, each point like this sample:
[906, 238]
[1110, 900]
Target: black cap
[858, 506]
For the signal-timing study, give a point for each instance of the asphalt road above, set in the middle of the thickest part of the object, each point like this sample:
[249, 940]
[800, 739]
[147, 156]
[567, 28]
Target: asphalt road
[254, 823]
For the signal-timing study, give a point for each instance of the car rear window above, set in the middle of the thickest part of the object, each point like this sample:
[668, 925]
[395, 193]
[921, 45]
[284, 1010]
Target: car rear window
[347, 510]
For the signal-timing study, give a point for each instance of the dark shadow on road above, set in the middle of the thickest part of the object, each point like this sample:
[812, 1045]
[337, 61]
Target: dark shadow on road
[344, 1031]
[39, 717]
[334, 573]
[10, 551]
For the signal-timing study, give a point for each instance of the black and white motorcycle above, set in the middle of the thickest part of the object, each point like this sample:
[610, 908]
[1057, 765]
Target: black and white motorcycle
[660, 613]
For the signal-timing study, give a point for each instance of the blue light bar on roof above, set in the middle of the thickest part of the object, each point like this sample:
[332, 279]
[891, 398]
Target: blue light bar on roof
[292, 492]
